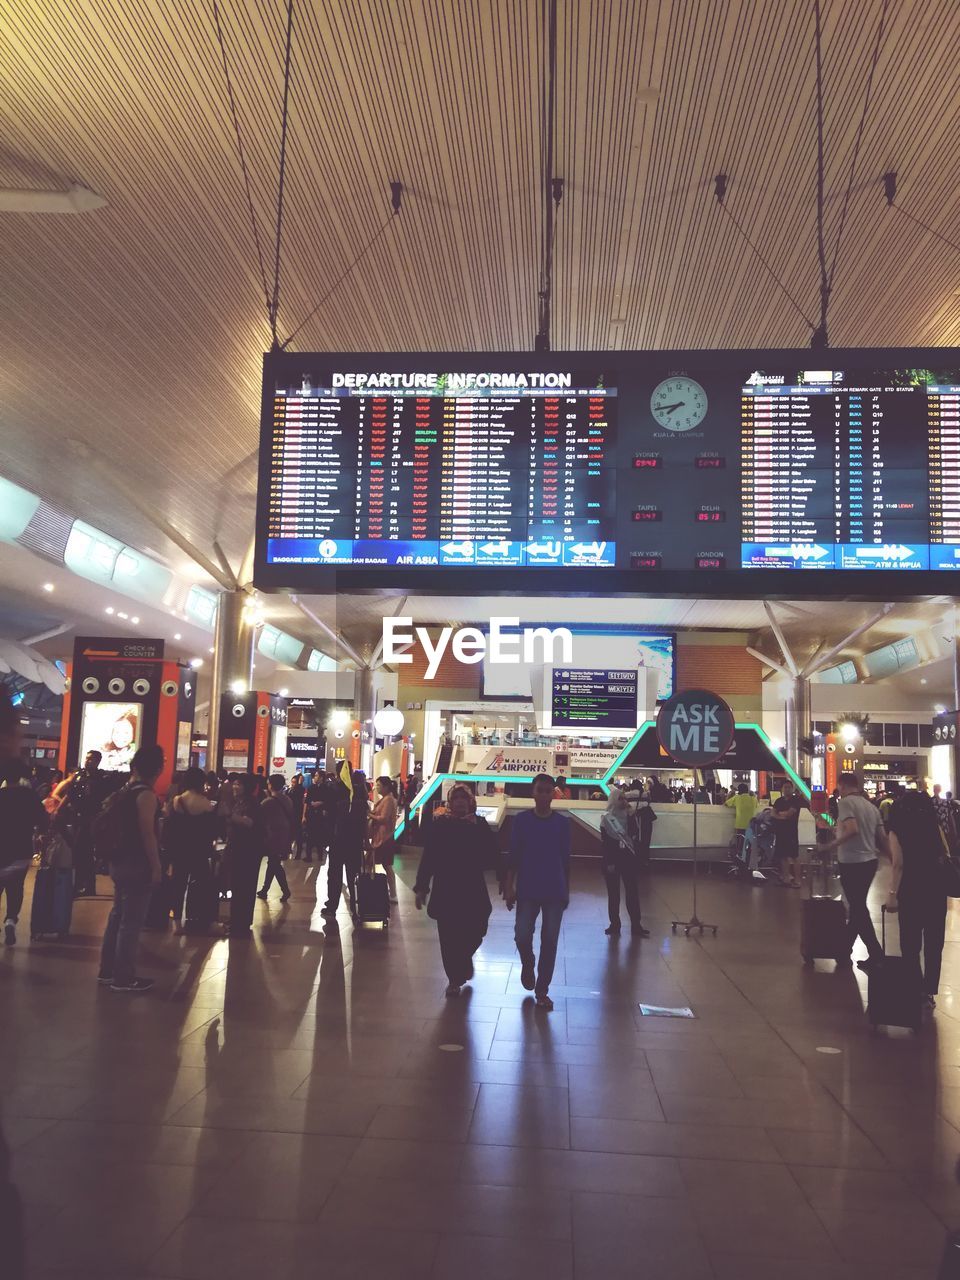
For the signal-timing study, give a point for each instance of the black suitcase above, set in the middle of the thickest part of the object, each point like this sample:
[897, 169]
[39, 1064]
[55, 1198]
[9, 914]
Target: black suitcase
[894, 995]
[52, 907]
[373, 899]
[824, 932]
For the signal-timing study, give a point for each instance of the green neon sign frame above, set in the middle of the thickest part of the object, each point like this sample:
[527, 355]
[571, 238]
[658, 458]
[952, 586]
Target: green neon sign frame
[603, 783]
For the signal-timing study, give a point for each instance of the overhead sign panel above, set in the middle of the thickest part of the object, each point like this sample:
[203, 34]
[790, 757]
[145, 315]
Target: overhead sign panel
[734, 469]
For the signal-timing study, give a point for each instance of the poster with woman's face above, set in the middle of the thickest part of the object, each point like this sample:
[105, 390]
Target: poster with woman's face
[113, 729]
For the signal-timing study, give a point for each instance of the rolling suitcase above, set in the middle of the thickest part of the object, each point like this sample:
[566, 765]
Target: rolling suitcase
[894, 995]
[52, 907]
[824, 933]
[373, 899]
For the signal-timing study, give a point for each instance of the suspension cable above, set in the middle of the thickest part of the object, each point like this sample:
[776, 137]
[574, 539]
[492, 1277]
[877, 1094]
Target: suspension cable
[240, 153]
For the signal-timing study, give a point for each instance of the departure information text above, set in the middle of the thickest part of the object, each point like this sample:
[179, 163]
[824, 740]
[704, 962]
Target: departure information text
[444, 476]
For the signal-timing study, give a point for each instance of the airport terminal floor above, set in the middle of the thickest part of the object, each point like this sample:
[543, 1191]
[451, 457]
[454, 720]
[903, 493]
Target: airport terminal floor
[307, 1103]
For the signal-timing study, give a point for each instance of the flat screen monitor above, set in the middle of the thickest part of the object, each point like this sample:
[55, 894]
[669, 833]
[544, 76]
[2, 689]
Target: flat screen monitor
[710, 472]
[596, 647]
[113, 729]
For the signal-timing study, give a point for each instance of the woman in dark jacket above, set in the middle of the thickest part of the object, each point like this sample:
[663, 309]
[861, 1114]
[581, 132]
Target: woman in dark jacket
[245, 850]
[457, 848]
[918, 889]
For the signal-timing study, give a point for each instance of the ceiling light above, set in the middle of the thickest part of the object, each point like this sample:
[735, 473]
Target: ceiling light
[923, 679]
[177, 635]
[48, 586]
[109, 609]
[210, 650]
[196, 663]
[848, 732]
[939, 708]
[284, 693]
[24, 721]
[135, 620]
[238, 686]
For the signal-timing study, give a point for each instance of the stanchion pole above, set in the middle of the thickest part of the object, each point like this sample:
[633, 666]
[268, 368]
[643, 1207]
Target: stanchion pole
[694, 922]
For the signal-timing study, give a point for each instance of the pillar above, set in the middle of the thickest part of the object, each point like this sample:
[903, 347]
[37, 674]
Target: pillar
[232, 660]
[797, 725]
[363, 710]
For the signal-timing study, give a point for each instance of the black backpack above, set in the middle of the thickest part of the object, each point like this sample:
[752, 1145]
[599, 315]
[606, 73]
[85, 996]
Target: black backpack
[115, 834]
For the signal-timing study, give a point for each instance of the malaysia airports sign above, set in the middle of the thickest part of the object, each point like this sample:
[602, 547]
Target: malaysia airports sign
[696, 727]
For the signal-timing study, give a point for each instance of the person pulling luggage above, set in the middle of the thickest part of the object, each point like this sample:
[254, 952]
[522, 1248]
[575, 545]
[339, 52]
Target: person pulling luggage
[859, 840]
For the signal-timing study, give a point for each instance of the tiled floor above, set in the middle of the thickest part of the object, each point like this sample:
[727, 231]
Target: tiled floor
[308, 1104]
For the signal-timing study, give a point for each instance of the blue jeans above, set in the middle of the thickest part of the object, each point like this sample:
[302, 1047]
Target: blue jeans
[118, 956]
[552, 913]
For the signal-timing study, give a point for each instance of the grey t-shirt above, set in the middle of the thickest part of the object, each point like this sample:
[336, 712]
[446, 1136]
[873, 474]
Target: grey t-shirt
[863, 846]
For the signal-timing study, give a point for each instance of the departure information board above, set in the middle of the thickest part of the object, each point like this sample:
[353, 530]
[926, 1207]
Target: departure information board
[399, 469]
[616, 469]
[583, 698]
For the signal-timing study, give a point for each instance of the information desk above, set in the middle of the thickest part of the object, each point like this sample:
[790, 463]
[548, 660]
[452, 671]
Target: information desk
[672, 838]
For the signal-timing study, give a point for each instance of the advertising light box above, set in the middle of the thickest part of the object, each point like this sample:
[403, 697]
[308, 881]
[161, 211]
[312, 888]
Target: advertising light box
[711, 471]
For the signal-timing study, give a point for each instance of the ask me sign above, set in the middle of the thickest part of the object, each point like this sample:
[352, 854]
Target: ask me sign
[695, 727]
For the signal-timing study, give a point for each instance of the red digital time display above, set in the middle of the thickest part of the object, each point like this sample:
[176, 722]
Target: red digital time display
[647, 514]
[711, 562]
[709, 462]
[647, 461]
[638, 560]
[707, 516]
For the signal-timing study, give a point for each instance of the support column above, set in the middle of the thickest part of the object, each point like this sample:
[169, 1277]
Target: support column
[364, 708]
[232, 660]
[797, 725]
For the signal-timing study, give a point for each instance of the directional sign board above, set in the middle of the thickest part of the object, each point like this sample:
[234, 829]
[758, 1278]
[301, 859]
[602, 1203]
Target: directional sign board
[585, 698]
[696, 727]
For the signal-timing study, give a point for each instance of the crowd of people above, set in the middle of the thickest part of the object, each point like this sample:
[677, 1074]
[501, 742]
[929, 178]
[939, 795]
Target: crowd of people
[199, 854]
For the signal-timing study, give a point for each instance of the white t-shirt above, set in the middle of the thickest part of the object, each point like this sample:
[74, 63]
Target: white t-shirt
[863, 846]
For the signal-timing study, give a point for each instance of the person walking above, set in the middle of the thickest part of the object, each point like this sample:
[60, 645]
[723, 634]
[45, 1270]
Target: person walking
[859, 839]
[298, 798]
[744, 806]
[22, 814]
[276, 813]
[786, 818]
[244, 854]
[538, 884]
[190, 828]
[134, 860]
[619, 862]
[318, 819]
[456, 851]
[917, 891]
[383, 823]
[86, 789]
[348, 841]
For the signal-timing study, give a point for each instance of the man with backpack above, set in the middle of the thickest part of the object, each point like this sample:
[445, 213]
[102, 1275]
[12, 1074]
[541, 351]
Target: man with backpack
[126, 832]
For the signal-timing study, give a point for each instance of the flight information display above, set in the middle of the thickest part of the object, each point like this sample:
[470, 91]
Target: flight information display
[615, 468]
[593, 698]
[421, 469]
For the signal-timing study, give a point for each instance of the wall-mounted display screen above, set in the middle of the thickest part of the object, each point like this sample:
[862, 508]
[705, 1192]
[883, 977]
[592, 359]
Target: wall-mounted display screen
[113, 729]
[592, 647]
[612, 469]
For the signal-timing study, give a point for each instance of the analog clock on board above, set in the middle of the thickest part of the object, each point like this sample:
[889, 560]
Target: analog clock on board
[679, 404]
